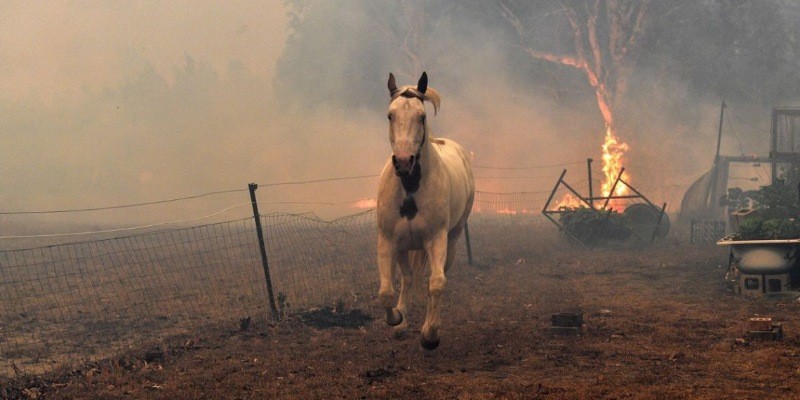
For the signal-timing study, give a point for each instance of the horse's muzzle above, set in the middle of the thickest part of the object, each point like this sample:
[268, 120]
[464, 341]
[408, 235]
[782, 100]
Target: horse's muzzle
[403, 165]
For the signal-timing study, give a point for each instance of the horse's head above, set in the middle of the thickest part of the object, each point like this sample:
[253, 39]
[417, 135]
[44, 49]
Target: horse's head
[407, 125]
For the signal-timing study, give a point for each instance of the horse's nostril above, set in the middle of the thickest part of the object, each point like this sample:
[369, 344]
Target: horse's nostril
[394, 160]
[412, 160]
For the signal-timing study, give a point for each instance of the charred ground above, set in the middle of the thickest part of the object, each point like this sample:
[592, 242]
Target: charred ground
[659, 323]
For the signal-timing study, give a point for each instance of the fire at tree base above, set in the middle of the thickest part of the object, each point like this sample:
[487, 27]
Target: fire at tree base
[615, 216]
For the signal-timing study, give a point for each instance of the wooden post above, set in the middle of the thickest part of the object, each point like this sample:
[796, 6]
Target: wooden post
[263, 249]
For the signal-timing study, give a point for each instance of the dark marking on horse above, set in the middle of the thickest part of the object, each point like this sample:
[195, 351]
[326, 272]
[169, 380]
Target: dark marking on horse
[411, 181]
[409, 208]
[410, 184]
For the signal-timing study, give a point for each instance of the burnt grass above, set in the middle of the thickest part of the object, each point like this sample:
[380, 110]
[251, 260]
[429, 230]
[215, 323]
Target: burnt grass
[659, 323]
[335, 317]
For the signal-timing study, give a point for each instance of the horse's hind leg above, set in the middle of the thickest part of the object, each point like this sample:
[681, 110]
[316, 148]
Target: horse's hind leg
[387, 256]
[452, 242]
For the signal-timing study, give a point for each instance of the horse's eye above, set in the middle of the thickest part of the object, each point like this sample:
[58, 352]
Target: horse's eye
[422, 118]
[390, 117]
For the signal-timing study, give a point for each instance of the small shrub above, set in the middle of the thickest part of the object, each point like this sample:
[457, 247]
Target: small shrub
[588, 225]
[777, 207]
[759, 228]
[283, 304]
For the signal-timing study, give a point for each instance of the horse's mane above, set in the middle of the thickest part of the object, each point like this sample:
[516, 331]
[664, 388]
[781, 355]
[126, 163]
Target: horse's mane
[411, 91]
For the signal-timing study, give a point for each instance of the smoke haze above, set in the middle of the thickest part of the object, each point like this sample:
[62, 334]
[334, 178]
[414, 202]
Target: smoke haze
[105, 103]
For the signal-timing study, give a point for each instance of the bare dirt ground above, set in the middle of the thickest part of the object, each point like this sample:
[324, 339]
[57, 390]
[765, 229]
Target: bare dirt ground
[660, 323]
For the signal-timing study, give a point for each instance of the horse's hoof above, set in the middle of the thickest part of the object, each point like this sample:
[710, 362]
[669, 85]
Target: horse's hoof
[391, 322]
[429, 345]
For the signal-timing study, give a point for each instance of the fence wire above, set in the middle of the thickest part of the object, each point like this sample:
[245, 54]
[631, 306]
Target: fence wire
[90, 300]
[67, 304]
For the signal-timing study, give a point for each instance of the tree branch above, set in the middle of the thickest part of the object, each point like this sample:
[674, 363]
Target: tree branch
[515, 23]
[412, 43]
[597, 51]
[565, 60]
[638, 26]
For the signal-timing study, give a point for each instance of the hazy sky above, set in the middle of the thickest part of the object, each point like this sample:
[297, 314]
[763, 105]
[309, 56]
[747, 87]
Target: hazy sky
[118, 102]
[114, 102]
[63, 48]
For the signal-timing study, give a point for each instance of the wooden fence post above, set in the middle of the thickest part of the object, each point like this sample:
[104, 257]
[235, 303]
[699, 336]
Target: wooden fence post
[263, 249]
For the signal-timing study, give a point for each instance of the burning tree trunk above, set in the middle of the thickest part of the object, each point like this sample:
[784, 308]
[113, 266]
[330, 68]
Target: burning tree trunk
[604, 34]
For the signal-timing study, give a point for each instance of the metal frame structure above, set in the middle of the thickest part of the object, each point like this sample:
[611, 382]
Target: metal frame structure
[776, 155]
[603, 211]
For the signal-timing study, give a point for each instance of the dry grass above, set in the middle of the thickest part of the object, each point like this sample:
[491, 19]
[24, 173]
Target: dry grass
[660, 324]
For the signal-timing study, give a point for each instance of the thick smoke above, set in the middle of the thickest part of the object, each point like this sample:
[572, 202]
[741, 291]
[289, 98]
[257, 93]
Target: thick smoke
[119, 103]
[512, 110]
[105, 104]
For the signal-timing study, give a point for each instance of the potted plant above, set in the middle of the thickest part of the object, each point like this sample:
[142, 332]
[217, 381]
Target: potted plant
[776, 214]
[765, 248]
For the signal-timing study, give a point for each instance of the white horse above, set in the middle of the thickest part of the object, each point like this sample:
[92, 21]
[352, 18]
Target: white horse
[425, 196]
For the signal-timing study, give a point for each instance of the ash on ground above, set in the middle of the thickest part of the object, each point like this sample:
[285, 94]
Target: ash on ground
[330, 317]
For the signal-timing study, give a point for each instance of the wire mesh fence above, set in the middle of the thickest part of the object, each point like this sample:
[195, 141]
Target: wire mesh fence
[71, 302]
[315, 262]
[706, 232]
[65, 304]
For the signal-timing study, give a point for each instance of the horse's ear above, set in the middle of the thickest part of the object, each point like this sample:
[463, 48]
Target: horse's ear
[422, 85]
[392, 85]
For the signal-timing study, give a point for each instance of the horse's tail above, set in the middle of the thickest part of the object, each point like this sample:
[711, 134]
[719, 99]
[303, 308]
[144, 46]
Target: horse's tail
[418, 260]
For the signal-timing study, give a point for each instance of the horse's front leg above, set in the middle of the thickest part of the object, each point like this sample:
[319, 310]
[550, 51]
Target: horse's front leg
[387, 256]
[436, 249]
[406, 283]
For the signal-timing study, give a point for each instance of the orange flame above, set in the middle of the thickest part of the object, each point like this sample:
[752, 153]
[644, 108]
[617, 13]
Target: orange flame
[366, 204]
[613, 156]
[570, 201]
[613, 153]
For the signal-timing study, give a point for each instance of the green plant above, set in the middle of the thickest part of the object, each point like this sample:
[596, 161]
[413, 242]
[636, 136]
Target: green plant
[759, 228]
[588, 225]
[777, 207]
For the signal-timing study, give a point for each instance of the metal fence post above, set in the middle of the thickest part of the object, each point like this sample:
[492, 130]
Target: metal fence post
[469, 243]
[591, 192]
[263, 249]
